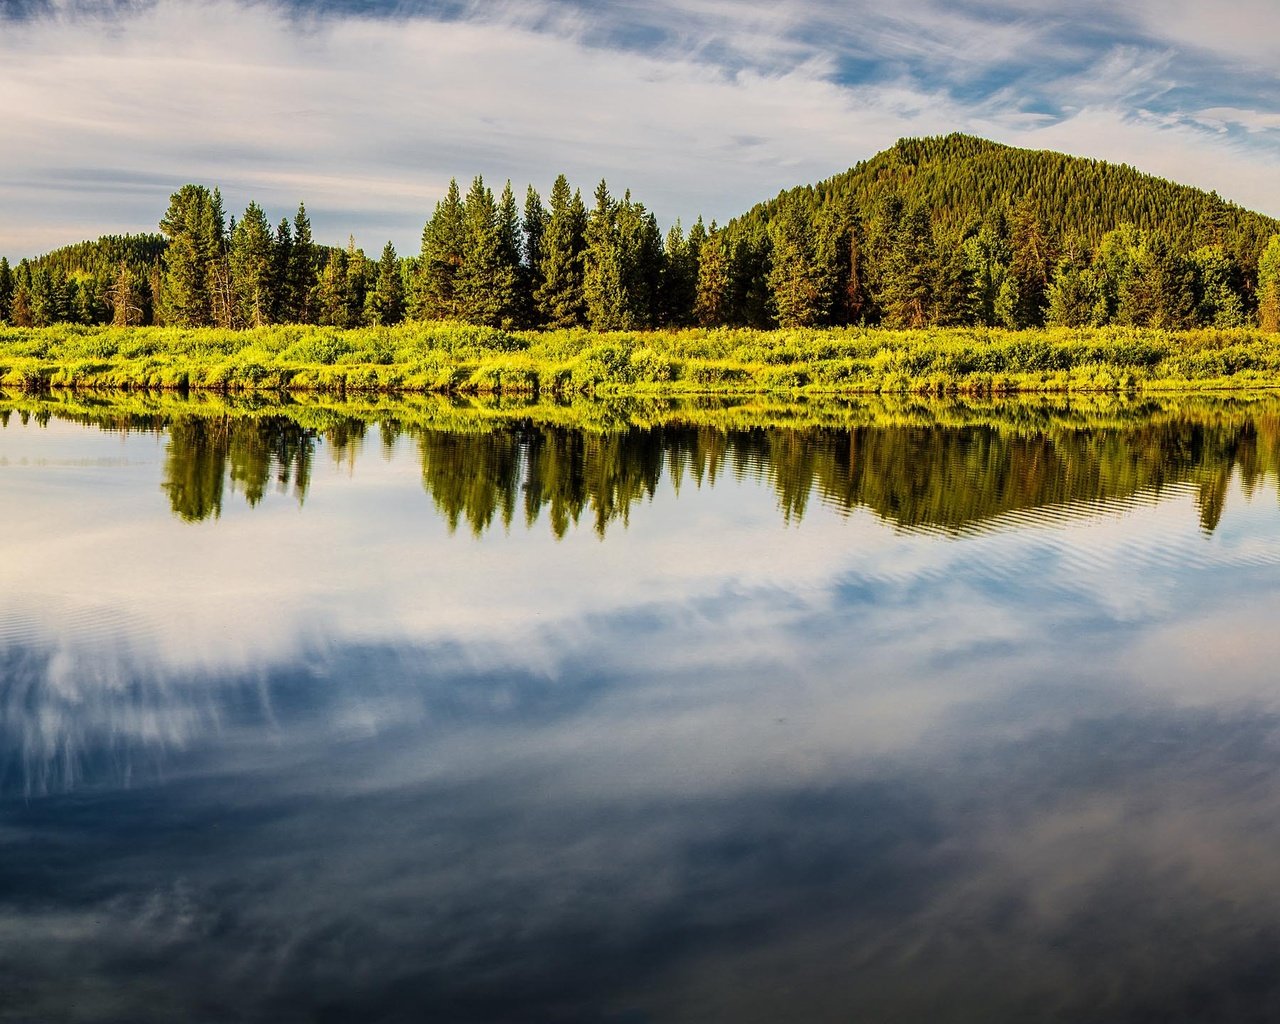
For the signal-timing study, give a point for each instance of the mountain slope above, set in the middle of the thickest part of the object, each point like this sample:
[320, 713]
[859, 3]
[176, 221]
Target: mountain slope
[965, 181]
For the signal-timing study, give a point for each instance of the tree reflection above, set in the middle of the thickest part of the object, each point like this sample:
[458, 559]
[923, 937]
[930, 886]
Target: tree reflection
[941, 475]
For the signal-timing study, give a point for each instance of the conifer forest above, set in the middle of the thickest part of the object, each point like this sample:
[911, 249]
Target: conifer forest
[935, 232]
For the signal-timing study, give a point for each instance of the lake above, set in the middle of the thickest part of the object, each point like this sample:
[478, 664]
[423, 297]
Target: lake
[881, 711]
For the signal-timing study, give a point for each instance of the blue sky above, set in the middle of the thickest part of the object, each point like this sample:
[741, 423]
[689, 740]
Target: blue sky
[364, 109]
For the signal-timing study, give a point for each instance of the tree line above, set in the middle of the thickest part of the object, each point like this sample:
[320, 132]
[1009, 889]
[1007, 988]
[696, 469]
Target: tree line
[931, 233]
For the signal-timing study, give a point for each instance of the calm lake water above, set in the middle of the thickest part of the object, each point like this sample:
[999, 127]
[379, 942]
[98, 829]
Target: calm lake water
[379, 713]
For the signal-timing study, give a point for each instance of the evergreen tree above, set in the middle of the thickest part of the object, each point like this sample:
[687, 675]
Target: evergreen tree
[795, 279]
[1161, 290]
[1218, 296]
[6, 290]
[443, 253]
[986, 257]
[952, 302]
[749, 265]
[882, 234]
[332, 302]
[194, 226]
[83, 304]
[385, 303]
[252, 261]
[602, 268]
[282, 311]
[20, 311]
[355, 292]
[560, 301]
[1072, 294]
[513, 304]
[46, 302]
[907, 281]
[1030, 263]
[640, 257]
[534, 227]
[840, 259]
[712, 305]
[303, 275]
[1113, 267]
[1269, 286]
[679, 287]
[484, 286]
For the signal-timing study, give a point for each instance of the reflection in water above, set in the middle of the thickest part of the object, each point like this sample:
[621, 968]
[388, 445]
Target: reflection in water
[938, 475]
[1006, 748]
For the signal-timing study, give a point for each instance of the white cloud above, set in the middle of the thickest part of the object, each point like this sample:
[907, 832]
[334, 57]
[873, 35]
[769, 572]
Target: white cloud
[366, 118]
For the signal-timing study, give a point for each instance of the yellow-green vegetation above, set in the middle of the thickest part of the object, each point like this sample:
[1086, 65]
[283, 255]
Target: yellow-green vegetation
[460, 359]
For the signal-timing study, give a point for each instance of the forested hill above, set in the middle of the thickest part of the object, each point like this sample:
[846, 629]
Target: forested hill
[965, 182]
[102, 258]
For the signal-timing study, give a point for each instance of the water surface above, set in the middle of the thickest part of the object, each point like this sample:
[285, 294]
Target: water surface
[878, 712]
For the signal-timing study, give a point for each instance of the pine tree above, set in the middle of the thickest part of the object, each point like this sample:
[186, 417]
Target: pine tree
[907, 281]
[560, 301]
[443, 253]
[1219, 302]
[751, 301]
[840, 259]
[1269, 286]
[303, 275]
[484, 286]
[332, 305]
[45, 302]
[1072, 294]
[712, 306]
[602, 268]
[1114, 264]
[795, 279]
[1161, 290]
[679, 286]
[952, 302]
[986, 257]
[252, 261]
[534, 227]
[385, 303]
[356, 291]
[882, 234]
[282, 306]
[640, 260]
[20, 311]
[513, 306]
[1031, 260]
[82, 302]
[193, 224]
[6, 290]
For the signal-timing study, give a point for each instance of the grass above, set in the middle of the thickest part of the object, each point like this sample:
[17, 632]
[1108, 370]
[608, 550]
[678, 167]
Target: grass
[459, 359]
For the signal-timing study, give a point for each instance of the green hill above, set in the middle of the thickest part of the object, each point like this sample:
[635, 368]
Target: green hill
[966, 181]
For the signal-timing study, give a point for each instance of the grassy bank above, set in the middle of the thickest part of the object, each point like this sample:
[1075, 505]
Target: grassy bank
[458, 359]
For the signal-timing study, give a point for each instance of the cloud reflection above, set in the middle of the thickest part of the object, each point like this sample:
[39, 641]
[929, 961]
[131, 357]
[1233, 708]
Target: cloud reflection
[336, 761]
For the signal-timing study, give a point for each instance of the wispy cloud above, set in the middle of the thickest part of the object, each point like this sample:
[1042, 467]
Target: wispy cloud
[365, 110]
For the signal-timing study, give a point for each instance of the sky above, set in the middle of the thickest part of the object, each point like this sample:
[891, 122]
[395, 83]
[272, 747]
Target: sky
[365, 109]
